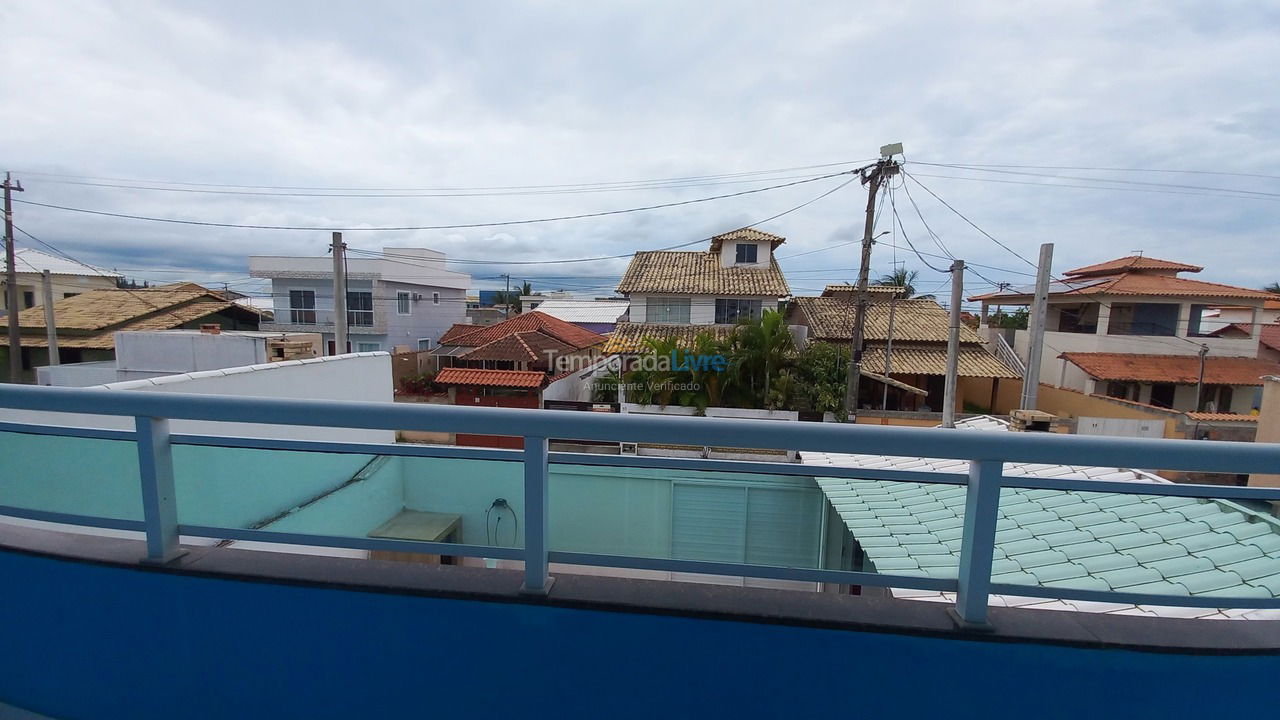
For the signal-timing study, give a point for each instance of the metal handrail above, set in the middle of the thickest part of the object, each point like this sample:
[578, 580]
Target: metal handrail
[986, 453]
[1006, 354]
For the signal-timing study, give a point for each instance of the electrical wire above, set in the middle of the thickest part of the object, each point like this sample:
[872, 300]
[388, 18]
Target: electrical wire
[993, 169]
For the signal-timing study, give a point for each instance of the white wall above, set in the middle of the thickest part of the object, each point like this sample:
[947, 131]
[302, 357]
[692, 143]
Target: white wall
[178, 352]
[702, 308]
[729, 254]
[361, 376]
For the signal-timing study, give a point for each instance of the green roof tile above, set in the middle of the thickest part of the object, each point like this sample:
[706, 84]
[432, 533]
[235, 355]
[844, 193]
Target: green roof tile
[1163, 587]
[946, 523]
[1241, 591]
[1057, 571]
[945, 534]
[893, 565]
[1004, 565]
[1231, 554]
[1210, 580]
[1128, 577]
[1039, 493]
[1170, 502]
[1151, 553]
[1080, 508]
[1077, 551]
[954, 544]
[919, 551]
[926, 517]
[875, 542]
[1111, 529]
[1037, 559]
[940, 560]
[1181, 530]
[1266, 543]
[1019, 547]
[1014, 511]
[1136, 510]
[1255, 568]
[1128, 541]
[1088, 520]
[1051, 527]
[1270, 582]
[1059, 500]
[1176, 567]
[1248, 530]
[1205, 541]
[1069, 537]
[1080, 583]
[1159, 518]
[1102, 563]
[1199, 510]
[1012, 534]
[1222, 520]
[1116, 500]
[1015, 578]
[916, 539]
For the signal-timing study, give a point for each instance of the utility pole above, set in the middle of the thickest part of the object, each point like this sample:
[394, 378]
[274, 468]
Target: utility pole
[11, 282]
[1036, 322]
[51, 329]
[506, 299]
[872, 178]
[888, 352]
[339, 295]
[953, 346]
[1204, 351]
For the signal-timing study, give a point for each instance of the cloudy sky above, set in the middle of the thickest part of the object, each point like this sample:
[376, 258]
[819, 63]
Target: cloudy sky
[414, 97]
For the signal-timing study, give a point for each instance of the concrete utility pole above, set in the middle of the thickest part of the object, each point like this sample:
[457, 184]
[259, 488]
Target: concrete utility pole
[1204, 351]
[888, 351]
[1035, 325]
[953, 346]
[506, 299]
[11, 282]
[51, 329]
[339, 295]
[885, 167]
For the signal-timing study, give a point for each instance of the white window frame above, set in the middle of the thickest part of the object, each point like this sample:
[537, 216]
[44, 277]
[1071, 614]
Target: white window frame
[352, 314]
[428, 341]
[666, 303]
[365, 346]
[404, 302]
[737, 254]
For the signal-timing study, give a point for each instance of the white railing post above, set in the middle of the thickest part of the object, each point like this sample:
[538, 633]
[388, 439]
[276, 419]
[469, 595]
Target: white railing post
[159, 506]
[536, 579]
[977, 545]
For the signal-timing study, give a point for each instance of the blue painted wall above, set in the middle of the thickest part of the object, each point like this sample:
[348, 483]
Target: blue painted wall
[138, 645]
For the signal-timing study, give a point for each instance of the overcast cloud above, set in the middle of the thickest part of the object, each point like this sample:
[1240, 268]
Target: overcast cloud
[428, 95]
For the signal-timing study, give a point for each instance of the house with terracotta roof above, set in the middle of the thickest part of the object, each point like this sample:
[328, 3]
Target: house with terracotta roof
[532, 341]
[906, 340]
[87, 323]
[736, 277]
[1133, 328]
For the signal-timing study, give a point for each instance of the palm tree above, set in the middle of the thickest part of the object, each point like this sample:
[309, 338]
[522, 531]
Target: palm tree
[759, 349]
[1272, 288]
[906, 279]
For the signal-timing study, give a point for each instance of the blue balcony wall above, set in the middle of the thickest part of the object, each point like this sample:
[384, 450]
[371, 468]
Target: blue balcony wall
[144, 644]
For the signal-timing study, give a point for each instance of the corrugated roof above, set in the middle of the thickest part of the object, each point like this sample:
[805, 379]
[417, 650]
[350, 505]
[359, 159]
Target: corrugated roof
[699, 273]
[30, 260]
[1178, 369]
[491, 378]
[629, 337]
[1051, 538]
[585, 311]
[1130, 263]
[478, 335]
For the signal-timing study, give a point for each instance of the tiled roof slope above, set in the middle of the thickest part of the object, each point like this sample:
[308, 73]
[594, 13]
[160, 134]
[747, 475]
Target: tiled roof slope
[1270, 335]
[1087, 540]
[1132, 263]
[921, 359]
[875, 291]
[831, 318]
[478, 335]
[1134, 284]
[1179, 369]
[519, 347]
[630, 337]
[491, 378]
[699, 273]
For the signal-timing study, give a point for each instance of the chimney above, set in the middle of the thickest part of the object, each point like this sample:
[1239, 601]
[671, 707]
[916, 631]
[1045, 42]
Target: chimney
[211, 328]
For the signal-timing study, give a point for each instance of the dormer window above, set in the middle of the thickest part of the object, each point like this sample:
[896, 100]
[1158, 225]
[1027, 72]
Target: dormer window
[746, 253]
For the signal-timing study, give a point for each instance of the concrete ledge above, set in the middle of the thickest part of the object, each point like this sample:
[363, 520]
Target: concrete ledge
[871, 613]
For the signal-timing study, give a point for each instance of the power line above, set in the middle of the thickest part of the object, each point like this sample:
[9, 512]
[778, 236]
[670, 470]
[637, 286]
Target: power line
[1094, 187]
[978, 168]
[458, 226]
[1113, 169]
[971, 223]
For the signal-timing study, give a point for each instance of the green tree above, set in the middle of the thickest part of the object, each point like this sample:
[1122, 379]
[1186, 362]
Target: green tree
[1272, 288]
[906, 279]
[758, 350]
[818, 377]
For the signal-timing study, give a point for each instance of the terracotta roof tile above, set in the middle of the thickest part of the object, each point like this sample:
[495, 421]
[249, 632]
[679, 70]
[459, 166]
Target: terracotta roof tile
[630, 337]
[478, 335]
[1178, 369]
[877, 292]
[1135, 284]
[747, 235]
[519, 347]
[1221, 417]
[699, 273]
[1132, 263]
[491, 378]
[831, 318]
[1270, 336]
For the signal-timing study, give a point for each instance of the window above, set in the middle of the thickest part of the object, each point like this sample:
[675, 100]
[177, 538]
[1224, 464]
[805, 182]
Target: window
[731, 310]
[28, 299]
[666, 310]
[360, 308]
[1215, 398]
[1122, 390]
[1162, 394]
[1159, 319]
[1195, 322]
[402, 302]
[435, 298]
[302, 307]
[747, 252]
[424, 343]
[368, 347]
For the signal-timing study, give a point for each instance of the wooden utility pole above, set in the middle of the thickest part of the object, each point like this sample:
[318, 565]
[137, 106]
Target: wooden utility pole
[1035, 325]
[953, 346]
[51, 328]
[11, 282]
[872, 177]
[339, 295]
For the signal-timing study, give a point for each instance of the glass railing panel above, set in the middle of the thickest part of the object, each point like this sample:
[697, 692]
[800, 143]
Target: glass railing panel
[76, 475]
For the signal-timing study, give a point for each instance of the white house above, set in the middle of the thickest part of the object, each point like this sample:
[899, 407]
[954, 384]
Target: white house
[736, 277]
[67, 278]
[407, 298]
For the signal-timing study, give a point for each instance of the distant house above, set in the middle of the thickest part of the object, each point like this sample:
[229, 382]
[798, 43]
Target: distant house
[87, 323]
[407, 298]
[598, 316]
[911, 349]
[1110, 326]
[532, 341]
[66, 277]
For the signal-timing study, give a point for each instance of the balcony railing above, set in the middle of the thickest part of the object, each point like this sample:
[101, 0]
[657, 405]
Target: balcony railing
[985, 452]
